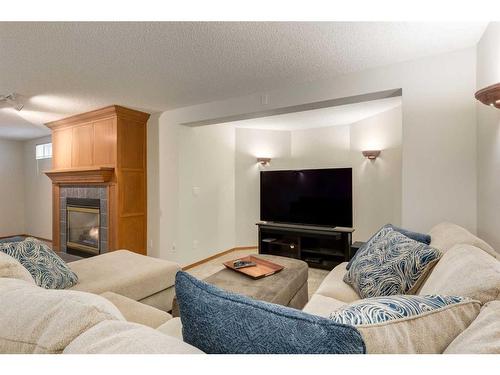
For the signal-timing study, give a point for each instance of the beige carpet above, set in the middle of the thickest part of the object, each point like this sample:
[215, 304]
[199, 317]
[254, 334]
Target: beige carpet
[204, 270]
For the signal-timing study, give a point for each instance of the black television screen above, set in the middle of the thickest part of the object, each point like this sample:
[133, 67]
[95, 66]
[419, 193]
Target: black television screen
[310, 196]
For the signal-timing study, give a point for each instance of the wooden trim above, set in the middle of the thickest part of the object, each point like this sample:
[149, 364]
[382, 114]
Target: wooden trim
[90, 149]
[56, 239]
[82, 169]
[81, 175]
[145, 179]
[217, 256]
[133, 214]
[100, 114]
[112, 217]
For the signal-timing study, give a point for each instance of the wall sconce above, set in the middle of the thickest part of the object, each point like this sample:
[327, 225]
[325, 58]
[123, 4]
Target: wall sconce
[490, 95]
[371, 154]
[264, 161]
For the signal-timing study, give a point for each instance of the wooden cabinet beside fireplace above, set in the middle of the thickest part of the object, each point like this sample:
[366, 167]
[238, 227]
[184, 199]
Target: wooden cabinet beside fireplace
[106, 147]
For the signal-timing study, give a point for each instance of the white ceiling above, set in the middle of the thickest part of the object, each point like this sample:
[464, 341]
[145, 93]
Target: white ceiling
[67, 68]
[319, 118]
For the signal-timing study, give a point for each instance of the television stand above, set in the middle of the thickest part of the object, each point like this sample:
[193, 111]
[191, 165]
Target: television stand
[319, 247]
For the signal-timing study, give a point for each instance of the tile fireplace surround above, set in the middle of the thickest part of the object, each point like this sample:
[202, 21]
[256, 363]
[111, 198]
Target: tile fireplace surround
[84, 191]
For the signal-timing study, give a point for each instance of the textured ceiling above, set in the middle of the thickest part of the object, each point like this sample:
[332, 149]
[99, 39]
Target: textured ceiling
[66, 68]
[319, 118]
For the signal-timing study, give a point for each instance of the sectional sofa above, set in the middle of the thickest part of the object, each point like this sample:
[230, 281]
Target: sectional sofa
[469, 268]
[36, 320]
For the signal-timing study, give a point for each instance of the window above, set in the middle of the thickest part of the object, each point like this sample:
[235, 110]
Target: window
[44, 151]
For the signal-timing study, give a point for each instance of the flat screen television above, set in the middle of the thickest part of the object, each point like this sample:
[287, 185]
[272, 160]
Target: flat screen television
[310, 196]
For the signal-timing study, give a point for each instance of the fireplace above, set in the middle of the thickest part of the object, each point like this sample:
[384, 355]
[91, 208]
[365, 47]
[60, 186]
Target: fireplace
[100, 155]
[83, 225]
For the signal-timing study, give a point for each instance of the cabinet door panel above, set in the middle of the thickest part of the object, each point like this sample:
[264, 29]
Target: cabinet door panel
[61, 148]
[132, 146]
[105, 142]
[83, 149]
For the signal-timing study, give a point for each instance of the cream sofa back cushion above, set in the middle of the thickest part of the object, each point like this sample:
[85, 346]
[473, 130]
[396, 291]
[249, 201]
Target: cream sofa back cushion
[446, 235]
[466, 271]
[333, 286]
[37, 320]
[482, 336]
[407, 324]
[11, 268]
[115, 337]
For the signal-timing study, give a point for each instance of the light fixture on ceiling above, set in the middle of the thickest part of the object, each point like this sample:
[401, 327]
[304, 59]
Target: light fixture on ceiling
[371, 154]
[13, 100]
[264, 161]
[490, 95]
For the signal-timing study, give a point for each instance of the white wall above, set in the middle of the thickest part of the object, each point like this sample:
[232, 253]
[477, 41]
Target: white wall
[206, 211]
[439, 135]
[11, 188]
[153, 235]
[321, 147]
[250, 144]
[219, 161]
[488, 139]
[37, 192]
[376, 185]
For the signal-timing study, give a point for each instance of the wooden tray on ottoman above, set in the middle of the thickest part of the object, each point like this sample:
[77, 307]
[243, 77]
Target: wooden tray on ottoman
[262, 269]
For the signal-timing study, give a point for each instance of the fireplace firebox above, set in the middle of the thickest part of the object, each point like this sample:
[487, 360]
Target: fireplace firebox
[83, 225]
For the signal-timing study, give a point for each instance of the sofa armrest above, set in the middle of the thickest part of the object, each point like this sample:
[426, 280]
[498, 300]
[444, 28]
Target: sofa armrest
[137, 312]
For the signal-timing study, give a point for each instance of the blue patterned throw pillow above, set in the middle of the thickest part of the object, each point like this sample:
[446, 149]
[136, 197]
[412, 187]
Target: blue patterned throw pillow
[382, 309]
[12, 239]
[218, 322]
[392, 264]
[420, 237]
[48, 270]
[406, 324]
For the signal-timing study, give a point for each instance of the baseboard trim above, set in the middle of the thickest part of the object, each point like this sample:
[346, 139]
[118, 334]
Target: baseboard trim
[217, 256]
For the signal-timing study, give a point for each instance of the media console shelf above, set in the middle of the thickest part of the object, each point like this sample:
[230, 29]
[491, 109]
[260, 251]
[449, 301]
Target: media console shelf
[320, 247]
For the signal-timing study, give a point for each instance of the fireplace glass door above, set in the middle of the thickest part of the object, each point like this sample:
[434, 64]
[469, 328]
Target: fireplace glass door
[83, 229]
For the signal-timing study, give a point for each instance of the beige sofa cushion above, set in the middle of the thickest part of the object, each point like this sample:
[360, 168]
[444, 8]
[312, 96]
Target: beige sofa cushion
[124, 272]
[446, 235]
[161, 300]
[334, 286]
[137, 312]
[466, 271]
[37, 320]
[114, 337]
[322, 306]
[172, 328]
[11, 268]
[429, 332]
[482, 336]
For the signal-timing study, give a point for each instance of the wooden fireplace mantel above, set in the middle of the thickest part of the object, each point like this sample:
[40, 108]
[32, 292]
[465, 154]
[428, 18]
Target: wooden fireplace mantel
[104, 147]
[88, 175]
